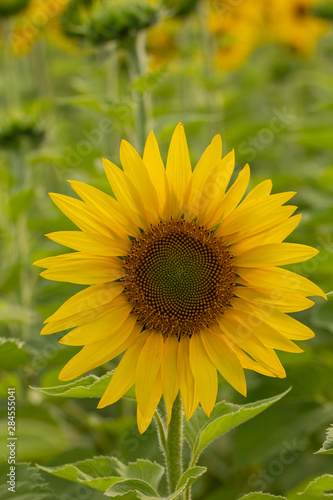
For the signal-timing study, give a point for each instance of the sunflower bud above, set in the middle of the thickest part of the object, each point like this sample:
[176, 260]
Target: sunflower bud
[18, 129]
[12, 7]
[180, 8]
[112, 20]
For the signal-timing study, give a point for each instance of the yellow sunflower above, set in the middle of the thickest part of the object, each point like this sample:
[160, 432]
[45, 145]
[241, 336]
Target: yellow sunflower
[183, 277]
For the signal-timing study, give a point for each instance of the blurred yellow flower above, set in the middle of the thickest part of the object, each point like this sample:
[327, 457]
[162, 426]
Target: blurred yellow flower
[240, 26]
[40, 17]
[183, 276]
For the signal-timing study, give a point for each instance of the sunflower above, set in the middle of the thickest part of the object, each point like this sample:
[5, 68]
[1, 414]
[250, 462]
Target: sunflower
[183, 277]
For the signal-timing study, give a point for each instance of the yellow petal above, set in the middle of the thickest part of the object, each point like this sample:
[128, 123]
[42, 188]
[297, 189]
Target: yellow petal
[124, 376]
[145, 418]
[202, 171]
[153, 161]
[252, 212]
[287, 325]
[204, 373]
[148, 366]
[82, 268]
[92, 297]
[286, 302]
[178, 169]
[274, 235]
[98, 353]
[275, 278]
[244, 338]
[250, 364]
[232, 197]
[96, 244]
[268, 335]
[136, 171]
[223, 356]
[102, 327]
[169, 377]
[126, 194]
[262, 189]
[107, 207]
[188, 389]
[79, 213]
[275, 254]
[270, 222]
[207, 205]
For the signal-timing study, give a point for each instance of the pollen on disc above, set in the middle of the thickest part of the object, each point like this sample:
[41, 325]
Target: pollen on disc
[179, 277]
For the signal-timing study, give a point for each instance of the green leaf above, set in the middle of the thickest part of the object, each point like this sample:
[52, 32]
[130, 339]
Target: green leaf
[324, 9]
[327, 447]
[191, 475]
[104, 473]
[37, 439]
[321, 487]
[29, 484]
[200, 431]
[258, 495]
[90, 386]
[12, 354]
[142, 489]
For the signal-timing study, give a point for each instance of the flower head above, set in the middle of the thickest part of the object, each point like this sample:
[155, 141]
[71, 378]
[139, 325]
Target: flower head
[183, 276]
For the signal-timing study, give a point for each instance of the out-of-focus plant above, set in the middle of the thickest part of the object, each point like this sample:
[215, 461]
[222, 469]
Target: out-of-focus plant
[11, 7]
[103, 21]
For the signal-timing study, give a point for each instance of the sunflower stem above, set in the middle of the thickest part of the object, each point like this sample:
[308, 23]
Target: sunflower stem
[174, 445]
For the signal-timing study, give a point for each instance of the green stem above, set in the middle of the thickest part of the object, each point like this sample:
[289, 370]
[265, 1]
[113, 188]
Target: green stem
[174, 445]
[161, 432]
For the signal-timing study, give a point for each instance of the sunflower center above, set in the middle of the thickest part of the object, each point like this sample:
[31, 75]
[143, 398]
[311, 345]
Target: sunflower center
[179, 277]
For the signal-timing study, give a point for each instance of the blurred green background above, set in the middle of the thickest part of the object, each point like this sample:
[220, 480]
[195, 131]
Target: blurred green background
[76, 78]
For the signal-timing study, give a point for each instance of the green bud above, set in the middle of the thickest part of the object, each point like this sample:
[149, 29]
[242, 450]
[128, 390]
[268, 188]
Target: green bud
[180, 8]
[12, 7]
[17, 129]
[111, 20]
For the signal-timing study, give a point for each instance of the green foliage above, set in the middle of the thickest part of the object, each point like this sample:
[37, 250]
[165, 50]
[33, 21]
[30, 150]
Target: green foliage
[89, 386]
[12, 354]
[200, 431]
[327, 447]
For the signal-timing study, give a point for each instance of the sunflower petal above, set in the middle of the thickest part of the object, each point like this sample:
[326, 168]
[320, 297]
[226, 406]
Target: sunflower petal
[97, 244]
[124, 376]
[208, 205]
[78, 212]
[93, 355]
[82, 268]
[275, 254]
[223, 356]
[148, 366]
[264, 188]
[187, 384]
[178, 169]
[232, 197]
[285, 302]
[145, 418]
[153, 161]
[204, 373]
[243, 216]
[136, 171]
[276, 278]
[106, 207]
[92, 297]
[169, 377]
[202, 172]
[126, 194]
[274, 235]
[103, 327]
